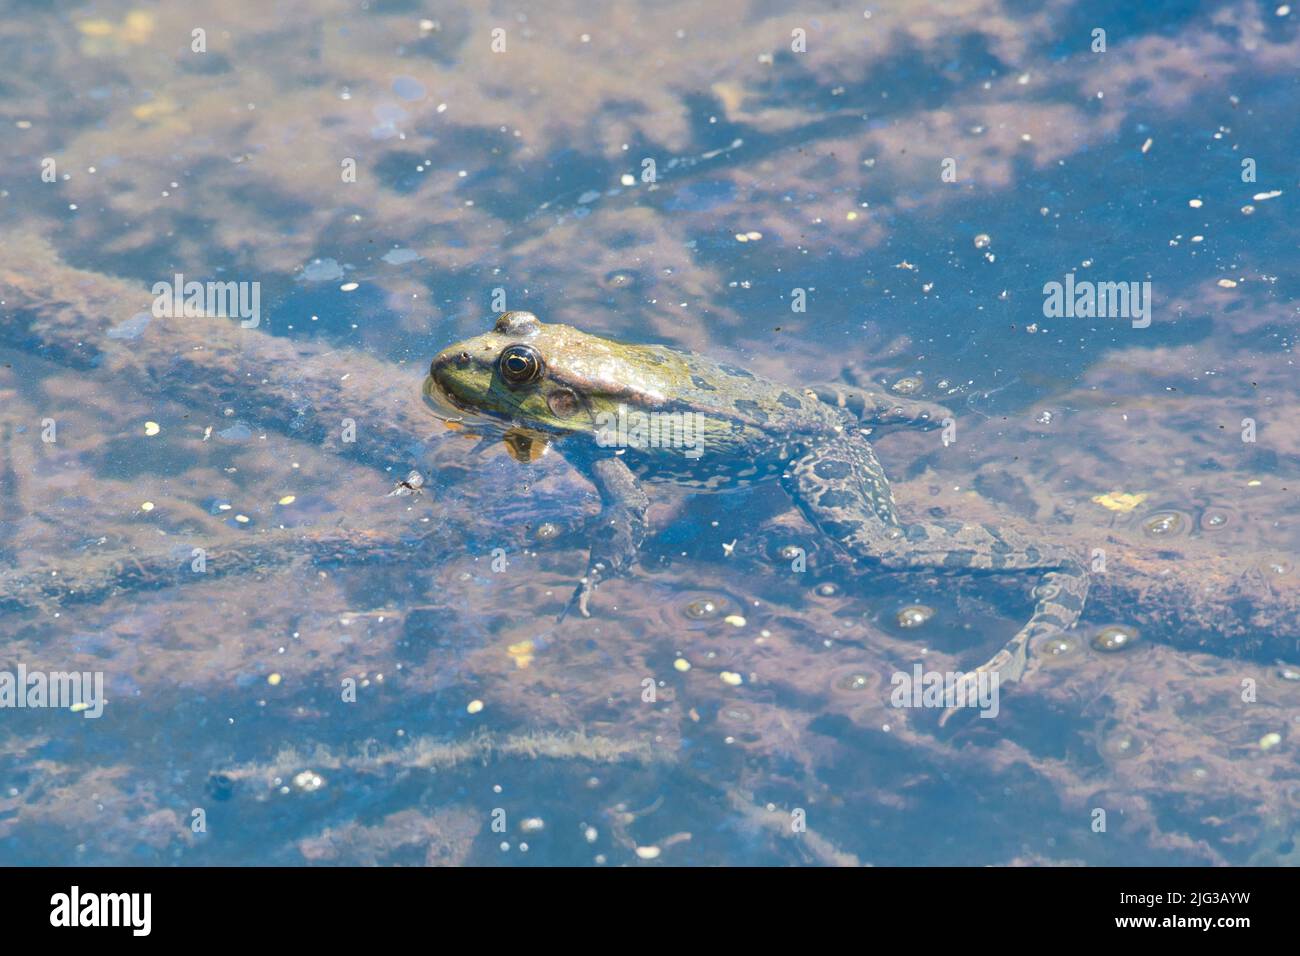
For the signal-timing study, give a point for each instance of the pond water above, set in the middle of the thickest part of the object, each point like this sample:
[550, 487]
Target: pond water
[297, 667]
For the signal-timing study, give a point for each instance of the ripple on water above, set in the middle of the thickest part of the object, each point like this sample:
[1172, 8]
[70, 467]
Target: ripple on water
[698, 610]
[624, 280]
[1055, 651]
[827, 589]
[1114, 638]
[1117, 742]
[914, 615]
[1166, 523]
[908, 385]
[854, 681]
[1276, 567]
[1216, 518]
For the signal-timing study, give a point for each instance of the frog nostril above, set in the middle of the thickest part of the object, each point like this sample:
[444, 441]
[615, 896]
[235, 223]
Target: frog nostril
[463, 358]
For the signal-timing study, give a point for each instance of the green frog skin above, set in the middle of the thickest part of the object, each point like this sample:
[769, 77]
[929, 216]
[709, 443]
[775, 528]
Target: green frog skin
[567, 386]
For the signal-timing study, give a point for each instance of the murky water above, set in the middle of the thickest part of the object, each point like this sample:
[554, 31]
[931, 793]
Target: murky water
[299, 669]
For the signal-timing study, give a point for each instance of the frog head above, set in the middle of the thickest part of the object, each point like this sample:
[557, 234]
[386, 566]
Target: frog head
[547, 377]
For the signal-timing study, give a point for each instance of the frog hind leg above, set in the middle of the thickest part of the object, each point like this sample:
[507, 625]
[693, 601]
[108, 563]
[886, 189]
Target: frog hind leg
[880, 409]
[619, 530]
[843, 491]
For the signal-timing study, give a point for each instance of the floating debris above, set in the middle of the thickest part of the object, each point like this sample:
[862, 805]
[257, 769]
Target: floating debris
[735, 620]
[682, 664]
[522, 653]
[1269, 741]
[273, 679]
[731, 678]
[410, 485]
[1119, 501]
[287, 500]
[152, 428]
[474, 707]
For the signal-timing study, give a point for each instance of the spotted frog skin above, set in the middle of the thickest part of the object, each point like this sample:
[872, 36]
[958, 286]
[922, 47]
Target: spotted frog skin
[567, 387]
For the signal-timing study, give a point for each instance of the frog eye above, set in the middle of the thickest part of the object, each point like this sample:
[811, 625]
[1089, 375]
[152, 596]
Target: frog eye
[520, 364]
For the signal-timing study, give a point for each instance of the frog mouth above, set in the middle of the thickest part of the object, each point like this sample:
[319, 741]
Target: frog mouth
[440, 403]
[444, 406]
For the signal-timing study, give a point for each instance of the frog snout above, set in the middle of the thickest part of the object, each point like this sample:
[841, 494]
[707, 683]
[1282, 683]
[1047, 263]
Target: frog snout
[443, 369]
[451, 358]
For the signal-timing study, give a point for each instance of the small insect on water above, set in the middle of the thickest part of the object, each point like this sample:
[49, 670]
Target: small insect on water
[410, 485]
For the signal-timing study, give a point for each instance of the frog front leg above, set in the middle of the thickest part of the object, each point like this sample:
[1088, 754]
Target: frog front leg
[841, 488]
[619, 530]
[879, 409]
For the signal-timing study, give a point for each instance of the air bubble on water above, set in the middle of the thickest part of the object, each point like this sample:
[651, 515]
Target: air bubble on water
[1114, 638]
[914, 615]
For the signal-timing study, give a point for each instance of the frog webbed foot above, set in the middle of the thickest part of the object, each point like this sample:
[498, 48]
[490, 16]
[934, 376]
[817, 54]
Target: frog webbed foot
[618, 533]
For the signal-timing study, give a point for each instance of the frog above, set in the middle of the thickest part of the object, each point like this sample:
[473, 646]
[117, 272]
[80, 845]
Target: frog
[722, 427]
